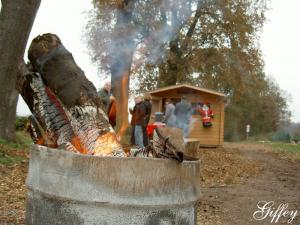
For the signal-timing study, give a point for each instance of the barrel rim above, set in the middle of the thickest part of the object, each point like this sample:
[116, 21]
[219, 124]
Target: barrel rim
[41, 147]
[184, 181]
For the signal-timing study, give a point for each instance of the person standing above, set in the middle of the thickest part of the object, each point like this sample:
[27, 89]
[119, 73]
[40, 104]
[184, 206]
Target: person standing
[105, 96]
[138, 121]
[170, 118]
[148, 107]
[183, 111]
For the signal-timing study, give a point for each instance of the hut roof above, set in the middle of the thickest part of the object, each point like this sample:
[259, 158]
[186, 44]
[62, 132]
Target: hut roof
[186, 87]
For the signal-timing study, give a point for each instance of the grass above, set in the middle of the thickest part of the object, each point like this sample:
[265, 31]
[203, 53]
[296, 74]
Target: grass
[10, 160]
[285, 150]
[22, 141]
[14, 152]
[285, 147]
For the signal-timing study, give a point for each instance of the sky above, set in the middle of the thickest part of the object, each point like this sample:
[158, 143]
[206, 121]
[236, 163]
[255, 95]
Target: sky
[280, 42]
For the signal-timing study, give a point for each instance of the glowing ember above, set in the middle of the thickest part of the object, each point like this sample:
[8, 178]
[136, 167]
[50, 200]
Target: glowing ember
[77, 145]
[106, 144]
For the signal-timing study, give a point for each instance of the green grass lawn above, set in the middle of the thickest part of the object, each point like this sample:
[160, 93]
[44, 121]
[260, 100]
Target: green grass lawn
[8, 160]
[285, 150]
[15, 152]
[285, 147]
[22, 142]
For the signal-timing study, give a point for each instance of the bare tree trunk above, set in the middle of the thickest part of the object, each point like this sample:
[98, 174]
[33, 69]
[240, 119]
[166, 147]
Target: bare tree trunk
[121, 64]
[170, 75]
[120, 83]
[16, 20]
[172, 69]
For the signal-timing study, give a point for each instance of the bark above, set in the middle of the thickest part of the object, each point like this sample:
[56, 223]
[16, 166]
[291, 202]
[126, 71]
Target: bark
[16, 19]
[168, 143]
[49, 123]
[75, 96]
[66, 108]
[173, 64]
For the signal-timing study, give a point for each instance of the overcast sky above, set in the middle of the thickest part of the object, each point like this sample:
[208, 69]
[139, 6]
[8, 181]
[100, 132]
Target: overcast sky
[280, 42]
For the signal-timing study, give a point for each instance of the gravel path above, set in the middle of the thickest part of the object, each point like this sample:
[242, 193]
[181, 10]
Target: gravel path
[278, 180]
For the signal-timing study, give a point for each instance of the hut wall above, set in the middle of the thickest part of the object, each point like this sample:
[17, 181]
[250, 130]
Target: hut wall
[156, 107]
[212, 136]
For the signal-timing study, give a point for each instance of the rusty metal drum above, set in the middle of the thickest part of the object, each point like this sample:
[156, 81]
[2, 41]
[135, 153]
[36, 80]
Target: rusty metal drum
[65, 188]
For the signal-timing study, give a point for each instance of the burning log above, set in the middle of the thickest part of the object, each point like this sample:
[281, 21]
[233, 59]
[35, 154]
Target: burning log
[167, 143]
[49, 124]
[64, 102]
[67, 111]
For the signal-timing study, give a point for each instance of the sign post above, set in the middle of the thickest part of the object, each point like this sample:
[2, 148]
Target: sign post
[247, 131]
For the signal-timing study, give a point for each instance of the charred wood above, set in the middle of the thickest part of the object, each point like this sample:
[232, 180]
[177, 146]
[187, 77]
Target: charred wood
[49, 124]
[76, 93]
[166, 143]
[66, 110]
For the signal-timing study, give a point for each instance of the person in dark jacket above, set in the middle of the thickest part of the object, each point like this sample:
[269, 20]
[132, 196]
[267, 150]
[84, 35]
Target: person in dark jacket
[183, 112]
[148, 107]
[138, 121]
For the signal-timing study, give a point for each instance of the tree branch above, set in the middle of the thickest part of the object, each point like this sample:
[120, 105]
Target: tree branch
[193, 26]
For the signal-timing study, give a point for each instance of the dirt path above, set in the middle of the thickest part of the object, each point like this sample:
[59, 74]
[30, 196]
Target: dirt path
[278, 180]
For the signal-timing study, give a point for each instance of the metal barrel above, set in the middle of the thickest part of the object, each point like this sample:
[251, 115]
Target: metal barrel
[66, 188]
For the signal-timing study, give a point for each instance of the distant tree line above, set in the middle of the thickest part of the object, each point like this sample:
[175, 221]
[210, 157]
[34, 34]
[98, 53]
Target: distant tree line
[209, 43]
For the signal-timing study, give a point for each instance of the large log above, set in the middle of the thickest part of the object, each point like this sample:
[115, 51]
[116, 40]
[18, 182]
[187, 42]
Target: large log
[67, 111]
[74, 96]
[49, 123]
[168, 143]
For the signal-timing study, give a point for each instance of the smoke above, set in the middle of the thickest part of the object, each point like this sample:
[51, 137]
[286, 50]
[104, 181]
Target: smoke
[292, 129]
[141, 30]
[183, 112]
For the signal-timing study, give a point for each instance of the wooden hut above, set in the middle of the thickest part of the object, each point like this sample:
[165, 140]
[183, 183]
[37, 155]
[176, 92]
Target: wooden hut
[211, 136]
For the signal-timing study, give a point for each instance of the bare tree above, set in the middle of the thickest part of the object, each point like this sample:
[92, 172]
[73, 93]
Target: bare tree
[16, 20]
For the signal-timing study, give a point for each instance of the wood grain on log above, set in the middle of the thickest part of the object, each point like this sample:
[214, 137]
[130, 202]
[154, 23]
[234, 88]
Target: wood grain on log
[168, 143]
[74, 96]
[67, 110]
[50, 125]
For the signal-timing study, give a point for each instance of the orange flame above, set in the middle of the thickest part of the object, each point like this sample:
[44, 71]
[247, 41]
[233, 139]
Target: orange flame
[76, 143]
[40, 141]
[106, 143]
